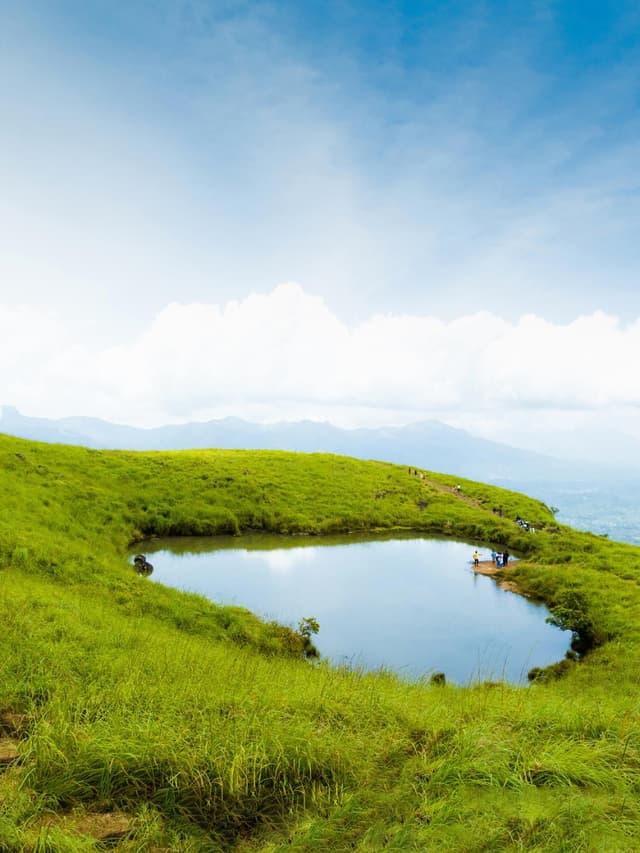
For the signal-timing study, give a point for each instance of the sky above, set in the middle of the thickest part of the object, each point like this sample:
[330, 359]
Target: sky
[362, 212]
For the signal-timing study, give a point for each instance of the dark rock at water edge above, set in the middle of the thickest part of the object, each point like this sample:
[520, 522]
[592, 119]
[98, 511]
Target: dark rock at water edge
[142, 565]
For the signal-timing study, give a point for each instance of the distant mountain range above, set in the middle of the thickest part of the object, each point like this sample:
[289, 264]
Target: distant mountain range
[427, 444]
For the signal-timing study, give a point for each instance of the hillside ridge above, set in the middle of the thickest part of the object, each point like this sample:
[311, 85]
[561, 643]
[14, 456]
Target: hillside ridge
[199, 727]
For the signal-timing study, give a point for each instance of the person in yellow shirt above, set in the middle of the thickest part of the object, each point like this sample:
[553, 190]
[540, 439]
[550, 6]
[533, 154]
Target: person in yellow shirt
[476, 559]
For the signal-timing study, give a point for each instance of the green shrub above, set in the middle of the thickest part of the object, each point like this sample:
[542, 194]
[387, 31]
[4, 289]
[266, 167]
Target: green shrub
[570, 612]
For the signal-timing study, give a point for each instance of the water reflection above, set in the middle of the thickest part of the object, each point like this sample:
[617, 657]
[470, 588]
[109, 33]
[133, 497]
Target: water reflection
[282, 560]
[413, 605]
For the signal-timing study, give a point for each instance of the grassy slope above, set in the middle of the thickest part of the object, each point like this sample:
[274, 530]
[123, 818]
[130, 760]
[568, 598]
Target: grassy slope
[203, 725]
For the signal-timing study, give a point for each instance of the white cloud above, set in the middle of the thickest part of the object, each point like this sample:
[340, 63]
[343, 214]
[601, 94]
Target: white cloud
[286, 351]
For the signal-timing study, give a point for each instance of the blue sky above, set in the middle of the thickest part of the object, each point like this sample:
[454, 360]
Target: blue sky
[395, 158]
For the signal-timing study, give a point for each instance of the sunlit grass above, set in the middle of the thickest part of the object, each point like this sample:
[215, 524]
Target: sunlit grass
[205, 726]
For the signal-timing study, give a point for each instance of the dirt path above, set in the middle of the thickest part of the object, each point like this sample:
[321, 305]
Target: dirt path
[460, 495]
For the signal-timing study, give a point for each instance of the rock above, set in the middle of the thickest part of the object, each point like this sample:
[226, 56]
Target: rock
[8, 752]
[106, 829]
[142, 565]
[13, 724]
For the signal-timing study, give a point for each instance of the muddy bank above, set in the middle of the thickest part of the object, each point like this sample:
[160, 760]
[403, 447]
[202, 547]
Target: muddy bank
[502, 577]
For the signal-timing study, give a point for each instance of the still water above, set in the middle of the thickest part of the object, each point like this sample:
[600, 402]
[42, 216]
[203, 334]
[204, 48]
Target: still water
[411, 605]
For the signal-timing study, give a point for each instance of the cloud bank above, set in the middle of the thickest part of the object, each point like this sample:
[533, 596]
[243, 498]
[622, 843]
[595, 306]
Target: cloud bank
[272, 355]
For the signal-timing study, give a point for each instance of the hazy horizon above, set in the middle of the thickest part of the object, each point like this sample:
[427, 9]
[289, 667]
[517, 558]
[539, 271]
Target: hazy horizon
[575, 446]
[362, 213]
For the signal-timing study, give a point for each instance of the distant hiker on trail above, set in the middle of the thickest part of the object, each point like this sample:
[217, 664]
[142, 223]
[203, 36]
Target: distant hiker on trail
[476, 559]
[458, 488]
[505, 559]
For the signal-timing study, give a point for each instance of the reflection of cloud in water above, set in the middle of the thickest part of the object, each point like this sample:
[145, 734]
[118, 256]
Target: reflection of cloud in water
[282, 560]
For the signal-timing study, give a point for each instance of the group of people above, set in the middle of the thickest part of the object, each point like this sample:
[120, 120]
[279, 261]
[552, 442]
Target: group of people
[525, 525]
[500, 559]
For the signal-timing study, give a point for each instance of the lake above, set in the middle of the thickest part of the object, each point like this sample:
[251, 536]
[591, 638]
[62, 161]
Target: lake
[411, 605]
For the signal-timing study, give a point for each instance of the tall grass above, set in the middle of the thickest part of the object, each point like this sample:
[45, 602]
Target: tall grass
[207, 728]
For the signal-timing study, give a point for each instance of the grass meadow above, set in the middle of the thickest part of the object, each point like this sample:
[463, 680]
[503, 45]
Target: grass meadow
[137, 717]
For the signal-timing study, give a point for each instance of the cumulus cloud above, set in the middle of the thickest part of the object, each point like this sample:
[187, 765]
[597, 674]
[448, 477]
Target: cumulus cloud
[286, 349]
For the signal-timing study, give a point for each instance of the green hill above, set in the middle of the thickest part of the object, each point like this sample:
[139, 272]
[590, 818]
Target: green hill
[159, 721]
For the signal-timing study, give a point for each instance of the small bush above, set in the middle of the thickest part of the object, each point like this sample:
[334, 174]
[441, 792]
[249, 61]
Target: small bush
[571, 613]
[551, 672]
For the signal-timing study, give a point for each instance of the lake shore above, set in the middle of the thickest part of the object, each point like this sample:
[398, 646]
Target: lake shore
[194, 726]
[501, 576]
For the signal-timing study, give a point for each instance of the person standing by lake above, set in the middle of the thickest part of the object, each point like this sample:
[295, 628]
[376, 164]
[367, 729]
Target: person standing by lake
[476, 559]
[505, 560]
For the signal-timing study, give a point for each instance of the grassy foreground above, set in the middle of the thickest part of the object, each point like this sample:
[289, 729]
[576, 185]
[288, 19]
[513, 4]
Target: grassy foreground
[155, 720]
